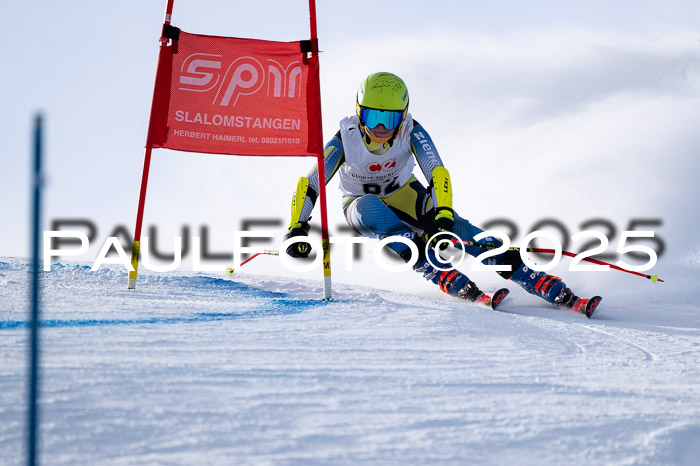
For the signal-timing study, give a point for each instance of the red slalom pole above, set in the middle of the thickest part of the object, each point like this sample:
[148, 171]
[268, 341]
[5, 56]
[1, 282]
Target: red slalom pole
[136, 247]
[327, 293]
[653, 278]
[312, 20]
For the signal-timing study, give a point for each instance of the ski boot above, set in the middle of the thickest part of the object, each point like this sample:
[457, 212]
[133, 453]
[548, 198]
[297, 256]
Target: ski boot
[566, 298]
[457, 284]
[451, 282]
[547, 287]
[587, 306]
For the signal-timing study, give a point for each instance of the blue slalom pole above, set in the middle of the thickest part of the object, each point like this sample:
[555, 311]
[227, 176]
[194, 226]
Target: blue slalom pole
[33, 424]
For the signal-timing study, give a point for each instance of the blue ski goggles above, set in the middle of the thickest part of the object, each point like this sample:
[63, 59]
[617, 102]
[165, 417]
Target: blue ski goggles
[391, 119]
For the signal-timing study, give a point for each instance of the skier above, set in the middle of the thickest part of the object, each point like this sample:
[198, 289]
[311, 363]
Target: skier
[374, 153]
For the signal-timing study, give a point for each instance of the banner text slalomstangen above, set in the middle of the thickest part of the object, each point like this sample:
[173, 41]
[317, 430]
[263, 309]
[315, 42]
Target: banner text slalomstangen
[239, 97]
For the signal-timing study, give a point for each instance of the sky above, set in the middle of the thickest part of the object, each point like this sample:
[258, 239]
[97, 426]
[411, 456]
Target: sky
[573, 111]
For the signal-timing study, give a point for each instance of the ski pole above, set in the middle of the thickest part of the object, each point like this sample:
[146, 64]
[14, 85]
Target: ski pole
[653, 278]
[266, 252]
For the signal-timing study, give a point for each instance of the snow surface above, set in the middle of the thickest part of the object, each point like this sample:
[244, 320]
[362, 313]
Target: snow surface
[208, 369]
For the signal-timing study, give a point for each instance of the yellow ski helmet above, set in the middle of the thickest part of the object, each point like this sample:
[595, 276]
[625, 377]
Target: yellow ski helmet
[382, 99]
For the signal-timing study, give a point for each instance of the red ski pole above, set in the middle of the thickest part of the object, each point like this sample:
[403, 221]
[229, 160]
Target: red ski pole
[653, 278]
[266, 252]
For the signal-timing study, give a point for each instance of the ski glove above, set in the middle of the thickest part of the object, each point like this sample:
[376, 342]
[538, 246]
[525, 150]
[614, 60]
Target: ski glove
[300, 249]
[442, 226]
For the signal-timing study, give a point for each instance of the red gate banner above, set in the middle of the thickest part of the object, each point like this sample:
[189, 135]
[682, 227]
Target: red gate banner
[235, 96]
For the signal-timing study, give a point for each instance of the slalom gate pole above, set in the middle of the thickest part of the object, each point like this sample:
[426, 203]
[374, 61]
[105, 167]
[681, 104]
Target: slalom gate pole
[327, 292]
[136, 247]
[653, 278]
[33, 408]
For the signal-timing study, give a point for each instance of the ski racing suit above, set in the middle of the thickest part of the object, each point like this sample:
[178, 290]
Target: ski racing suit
[382, 198]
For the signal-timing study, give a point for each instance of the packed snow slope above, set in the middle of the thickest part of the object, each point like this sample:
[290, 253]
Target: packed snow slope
[209, 369]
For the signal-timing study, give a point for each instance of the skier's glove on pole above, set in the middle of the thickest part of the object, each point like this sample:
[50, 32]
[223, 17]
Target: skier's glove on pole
[301, 249]
[444, 221]
[441, 228]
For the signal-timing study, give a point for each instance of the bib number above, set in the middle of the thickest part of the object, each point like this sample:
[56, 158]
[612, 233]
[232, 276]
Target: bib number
[381, 189]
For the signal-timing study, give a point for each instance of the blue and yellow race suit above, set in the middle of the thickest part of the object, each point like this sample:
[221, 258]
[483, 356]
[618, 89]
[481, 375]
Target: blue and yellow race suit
[382, 197]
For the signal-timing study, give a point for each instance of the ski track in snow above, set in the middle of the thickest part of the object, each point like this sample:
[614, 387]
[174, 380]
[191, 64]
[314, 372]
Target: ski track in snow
[198, 369]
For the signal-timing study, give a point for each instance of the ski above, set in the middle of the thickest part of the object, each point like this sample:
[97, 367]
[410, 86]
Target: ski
[587, 305]
[492, 300]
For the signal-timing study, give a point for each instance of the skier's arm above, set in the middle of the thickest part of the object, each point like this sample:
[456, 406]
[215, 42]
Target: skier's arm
[437, 175]
[333, 156]
[306, 194]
